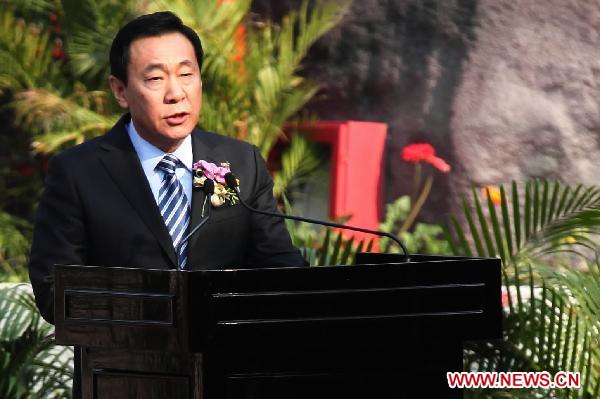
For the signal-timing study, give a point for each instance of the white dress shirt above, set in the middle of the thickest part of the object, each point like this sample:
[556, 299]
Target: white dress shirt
[151, 155]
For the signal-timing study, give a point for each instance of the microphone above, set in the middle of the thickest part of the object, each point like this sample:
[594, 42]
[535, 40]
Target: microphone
[209, 190]
[232, 182]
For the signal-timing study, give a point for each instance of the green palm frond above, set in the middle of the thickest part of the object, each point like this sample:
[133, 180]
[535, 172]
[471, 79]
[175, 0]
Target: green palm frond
[226, 106]
[323, 246]
[253, 97]
[581, 288]
[57, 121]
[214, 21]
[31, 366]
[551, 315]
[275, 55]
[298, 162]
[542, 332]
[546, 218]
[91, 26]
[25, 56]
[14, 247]
[29, 8]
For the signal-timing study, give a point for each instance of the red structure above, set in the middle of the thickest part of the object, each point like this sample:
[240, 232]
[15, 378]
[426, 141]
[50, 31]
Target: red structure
[356, 170]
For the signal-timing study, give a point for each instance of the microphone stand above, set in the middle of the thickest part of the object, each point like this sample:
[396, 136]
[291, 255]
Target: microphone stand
[232, 183]
[209, 189]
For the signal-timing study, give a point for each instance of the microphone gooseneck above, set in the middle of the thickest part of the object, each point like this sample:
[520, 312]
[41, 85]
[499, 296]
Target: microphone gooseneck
[209, 189]
[231, 181]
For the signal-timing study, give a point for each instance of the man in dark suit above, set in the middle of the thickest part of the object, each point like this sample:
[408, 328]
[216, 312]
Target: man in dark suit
[127, 199]
[101, 200]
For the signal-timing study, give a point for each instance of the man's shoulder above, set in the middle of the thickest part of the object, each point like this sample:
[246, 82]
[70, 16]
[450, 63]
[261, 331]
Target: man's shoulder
[218, 140]
[81, 151]
[88, 149]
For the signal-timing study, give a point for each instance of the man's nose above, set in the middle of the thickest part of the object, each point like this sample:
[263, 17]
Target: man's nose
[175, 92]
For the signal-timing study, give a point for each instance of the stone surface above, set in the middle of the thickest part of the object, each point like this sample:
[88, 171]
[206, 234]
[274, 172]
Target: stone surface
[503, 89]
[528, 103]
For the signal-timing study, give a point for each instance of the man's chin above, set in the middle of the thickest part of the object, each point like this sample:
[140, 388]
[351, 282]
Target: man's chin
[177, 132]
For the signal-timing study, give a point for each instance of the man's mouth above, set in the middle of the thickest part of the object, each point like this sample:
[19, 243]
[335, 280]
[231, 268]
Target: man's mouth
[177, 118]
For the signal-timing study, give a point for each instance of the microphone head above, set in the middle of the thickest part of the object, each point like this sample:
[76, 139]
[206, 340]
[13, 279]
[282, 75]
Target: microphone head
[208, 187]
[231, 180]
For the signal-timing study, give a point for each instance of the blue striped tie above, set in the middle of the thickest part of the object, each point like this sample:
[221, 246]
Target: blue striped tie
[174, 206]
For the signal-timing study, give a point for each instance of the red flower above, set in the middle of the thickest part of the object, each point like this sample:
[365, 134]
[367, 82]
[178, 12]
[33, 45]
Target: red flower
[57, 50]
[439, 164]
[418, 152]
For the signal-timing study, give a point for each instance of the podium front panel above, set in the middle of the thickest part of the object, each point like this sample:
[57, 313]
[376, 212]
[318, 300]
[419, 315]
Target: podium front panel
[120, 308]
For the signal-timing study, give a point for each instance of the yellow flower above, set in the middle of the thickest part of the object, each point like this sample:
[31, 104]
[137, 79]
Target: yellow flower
[220, 190]
[570, 240]
[494, 193]
[199, 181]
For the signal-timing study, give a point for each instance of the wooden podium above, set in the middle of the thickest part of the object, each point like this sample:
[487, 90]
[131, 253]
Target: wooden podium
[378, 329]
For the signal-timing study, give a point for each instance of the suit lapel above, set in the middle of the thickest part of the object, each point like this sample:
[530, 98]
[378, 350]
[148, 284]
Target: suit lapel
[122, 163]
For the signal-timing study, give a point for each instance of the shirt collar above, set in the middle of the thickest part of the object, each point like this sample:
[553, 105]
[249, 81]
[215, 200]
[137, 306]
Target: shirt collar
[150, 155]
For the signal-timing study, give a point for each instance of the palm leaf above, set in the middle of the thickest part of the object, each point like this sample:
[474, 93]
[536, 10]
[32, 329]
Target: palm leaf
[25, 56]
[546, 222]
[91, 26]
[322, 246]
[548, 335]
[57, 121]
[300, 159]
[213, 20]
[273, 61]
[29, 8]
[30, 364]
[551, 316]
[14, 247]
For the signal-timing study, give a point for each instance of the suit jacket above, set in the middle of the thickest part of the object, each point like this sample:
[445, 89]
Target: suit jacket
[97, 209]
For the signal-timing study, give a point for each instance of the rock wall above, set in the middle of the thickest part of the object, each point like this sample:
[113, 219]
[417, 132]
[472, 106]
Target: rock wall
[528, 102]
[503, 89]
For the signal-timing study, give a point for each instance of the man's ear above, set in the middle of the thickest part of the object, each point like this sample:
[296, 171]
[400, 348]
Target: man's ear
[118, 88]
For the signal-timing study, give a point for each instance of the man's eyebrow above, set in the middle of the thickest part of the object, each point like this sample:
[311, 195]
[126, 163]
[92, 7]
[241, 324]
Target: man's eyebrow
[187, 63]
[151, 67]
[163, 67]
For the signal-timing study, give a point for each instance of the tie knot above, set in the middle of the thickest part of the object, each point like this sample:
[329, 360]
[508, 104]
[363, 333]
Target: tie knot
[168, 164]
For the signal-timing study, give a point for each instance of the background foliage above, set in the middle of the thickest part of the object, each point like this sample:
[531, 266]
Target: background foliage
[551, 315]
[31, 366]
[53, 83]
[53, 94]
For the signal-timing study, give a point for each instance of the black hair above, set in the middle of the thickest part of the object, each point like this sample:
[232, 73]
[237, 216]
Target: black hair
[148, 25]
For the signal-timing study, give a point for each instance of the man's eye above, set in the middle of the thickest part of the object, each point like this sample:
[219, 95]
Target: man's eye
[154, 78]
[187, 74]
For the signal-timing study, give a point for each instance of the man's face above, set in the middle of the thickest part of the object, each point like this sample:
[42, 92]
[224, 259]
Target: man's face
[163, 91]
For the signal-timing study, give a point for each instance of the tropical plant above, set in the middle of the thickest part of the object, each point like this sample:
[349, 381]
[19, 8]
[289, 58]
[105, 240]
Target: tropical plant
[401, 215]
[424, 238]
[327, 247]
[300, 165]
[323, 246]
[417, 154]
[31, 366]
[551, 312]
[54, 92]
[14, 247]
[250, 72]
